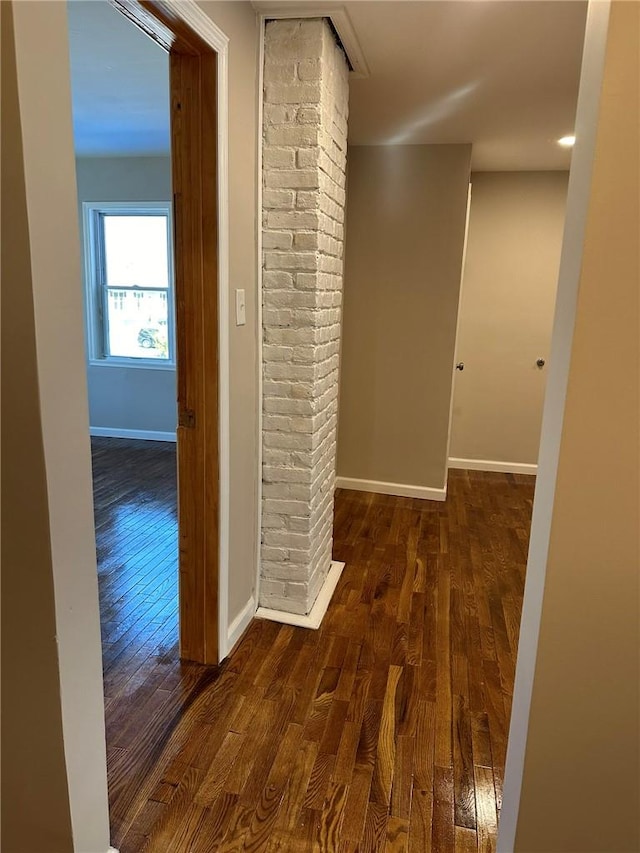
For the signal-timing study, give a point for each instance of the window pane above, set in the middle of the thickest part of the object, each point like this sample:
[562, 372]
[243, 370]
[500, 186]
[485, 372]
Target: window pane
[138, 323]
[136, 251]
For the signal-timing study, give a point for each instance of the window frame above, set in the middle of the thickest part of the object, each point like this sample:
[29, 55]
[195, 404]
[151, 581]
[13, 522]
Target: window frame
[96, 319]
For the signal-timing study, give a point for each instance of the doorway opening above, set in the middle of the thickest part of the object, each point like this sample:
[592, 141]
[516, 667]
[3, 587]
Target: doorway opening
[150, 219]
[151, 222]
[123, 177]
[194, 168]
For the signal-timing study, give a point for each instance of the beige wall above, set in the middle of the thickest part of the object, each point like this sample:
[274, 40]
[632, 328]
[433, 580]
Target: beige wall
[580, 790]
[54, 697]
[33, 764]
[238, 21]
[506, 314]
[406, 210]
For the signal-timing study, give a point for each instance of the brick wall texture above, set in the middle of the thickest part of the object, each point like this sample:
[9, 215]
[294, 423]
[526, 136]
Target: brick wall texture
[304, 158]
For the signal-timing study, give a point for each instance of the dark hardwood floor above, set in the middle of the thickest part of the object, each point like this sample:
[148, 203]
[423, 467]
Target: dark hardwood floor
[384, 730]
[134, 487]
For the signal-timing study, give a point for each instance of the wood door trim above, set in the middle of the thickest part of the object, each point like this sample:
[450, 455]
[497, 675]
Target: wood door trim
[160, 21]
[194, 160]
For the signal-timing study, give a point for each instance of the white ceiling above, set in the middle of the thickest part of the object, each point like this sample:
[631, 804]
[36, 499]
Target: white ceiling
[502, 74]
[119, 84]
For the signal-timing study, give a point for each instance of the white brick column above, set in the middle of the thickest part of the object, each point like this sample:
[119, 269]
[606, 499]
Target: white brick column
[304, 158]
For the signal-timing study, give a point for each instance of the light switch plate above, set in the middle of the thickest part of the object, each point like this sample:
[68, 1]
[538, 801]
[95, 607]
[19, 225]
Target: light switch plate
[241, 308]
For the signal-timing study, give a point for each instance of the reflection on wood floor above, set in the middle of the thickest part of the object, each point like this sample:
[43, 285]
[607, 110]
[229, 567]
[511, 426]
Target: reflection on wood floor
[384, 730]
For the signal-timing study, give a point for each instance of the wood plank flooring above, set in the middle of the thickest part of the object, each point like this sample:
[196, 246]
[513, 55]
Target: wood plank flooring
[384, 730]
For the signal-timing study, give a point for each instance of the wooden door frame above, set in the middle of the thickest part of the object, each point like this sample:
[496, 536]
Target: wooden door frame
[198, 82]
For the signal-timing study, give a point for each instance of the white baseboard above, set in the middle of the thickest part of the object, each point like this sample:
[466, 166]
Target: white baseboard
[491, 465]
[240, 624]
[112, 850]
[145, 434]
[314, 618]
[398, 489]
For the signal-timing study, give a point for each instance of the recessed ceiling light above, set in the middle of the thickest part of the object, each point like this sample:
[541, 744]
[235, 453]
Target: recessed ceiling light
[567, 141]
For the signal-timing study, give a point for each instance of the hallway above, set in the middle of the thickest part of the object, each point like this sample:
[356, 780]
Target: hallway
[386, 729]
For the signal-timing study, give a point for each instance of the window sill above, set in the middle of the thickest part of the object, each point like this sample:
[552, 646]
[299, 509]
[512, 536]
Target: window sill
[133, 364]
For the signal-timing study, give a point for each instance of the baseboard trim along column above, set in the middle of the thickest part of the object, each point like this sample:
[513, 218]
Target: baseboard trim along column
[144, 434]
[239, 626]
[491, 465]
[314, 618]
[399, 489]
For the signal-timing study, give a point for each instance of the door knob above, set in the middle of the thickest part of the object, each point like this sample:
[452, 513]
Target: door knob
[540, 362]
[460, 365]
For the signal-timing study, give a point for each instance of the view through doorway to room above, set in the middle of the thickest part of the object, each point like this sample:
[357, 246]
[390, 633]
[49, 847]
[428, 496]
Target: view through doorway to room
[146, 137]
[145, 97]
[123, 172]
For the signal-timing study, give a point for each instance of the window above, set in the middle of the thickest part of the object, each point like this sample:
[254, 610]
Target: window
[130, 300]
